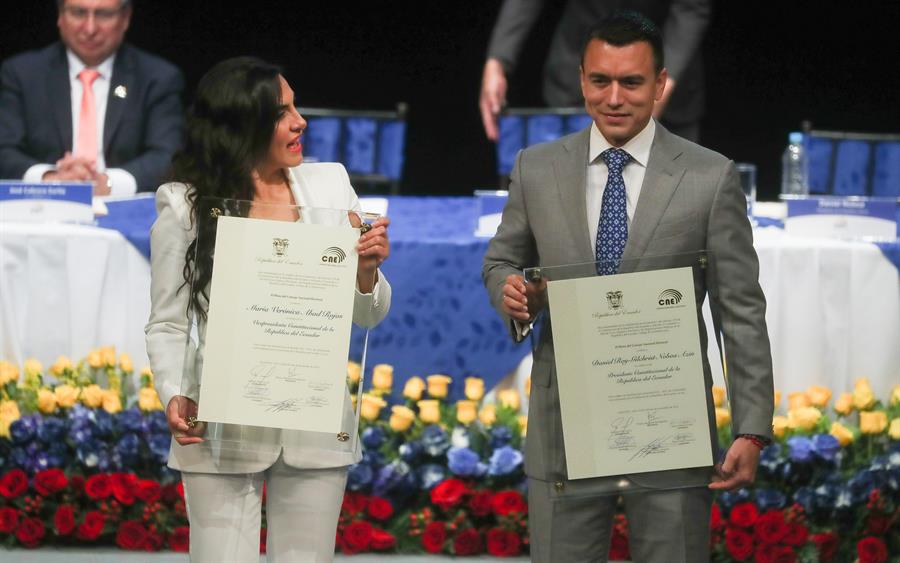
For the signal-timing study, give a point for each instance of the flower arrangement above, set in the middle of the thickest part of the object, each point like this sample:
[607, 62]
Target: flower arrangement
[83, 452]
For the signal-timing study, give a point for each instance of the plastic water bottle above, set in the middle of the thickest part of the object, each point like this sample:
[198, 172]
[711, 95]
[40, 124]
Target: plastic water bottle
[794, 171]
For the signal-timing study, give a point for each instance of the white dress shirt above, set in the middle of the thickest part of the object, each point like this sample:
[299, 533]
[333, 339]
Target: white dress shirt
[123, 183]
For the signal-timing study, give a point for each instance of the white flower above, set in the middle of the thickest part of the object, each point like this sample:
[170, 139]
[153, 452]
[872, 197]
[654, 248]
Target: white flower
[460, 437]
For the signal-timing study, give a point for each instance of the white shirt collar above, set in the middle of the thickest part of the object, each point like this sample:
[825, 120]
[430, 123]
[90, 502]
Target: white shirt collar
[638, 147]
[76, 65]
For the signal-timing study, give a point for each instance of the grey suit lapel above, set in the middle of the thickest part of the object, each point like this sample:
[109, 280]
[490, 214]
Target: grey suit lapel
[570, 169]
[58, 82]
[122, 75]
[661, 180]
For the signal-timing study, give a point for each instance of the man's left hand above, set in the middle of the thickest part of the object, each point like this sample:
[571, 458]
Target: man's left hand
[739, 467]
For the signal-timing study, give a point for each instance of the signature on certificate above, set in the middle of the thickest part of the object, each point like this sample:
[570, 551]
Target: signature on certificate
[257, 384]
[287, 405]
[657, 446]
[620, 434]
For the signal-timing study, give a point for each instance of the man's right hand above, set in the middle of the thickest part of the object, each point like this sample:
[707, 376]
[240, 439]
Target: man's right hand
[493, 97]
[522, 301]
[177, 413]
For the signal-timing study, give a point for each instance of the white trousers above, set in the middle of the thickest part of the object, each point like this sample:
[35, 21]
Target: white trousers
[302, 509]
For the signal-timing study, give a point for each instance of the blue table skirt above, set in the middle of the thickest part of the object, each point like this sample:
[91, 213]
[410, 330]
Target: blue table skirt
[440, 319]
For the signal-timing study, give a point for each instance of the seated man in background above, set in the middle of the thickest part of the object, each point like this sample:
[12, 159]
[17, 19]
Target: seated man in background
[90, 107]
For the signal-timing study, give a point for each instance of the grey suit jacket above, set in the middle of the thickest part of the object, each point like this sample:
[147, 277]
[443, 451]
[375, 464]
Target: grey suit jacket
[690, 201]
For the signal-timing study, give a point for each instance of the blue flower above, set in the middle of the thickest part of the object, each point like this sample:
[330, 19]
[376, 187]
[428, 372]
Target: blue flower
[800, 449]
[430, 475]
[730, 498]
[395, 479]
[768, 499]
[465, 462]
[770, 459]
[435, 440]
[80, 413]
[81, 431]
[411, 451]
[806, 497]
[373, 437]
[51, 431]
[500, 436]
[129, 448]
[89, 453]
[504, 461]
[826, 446]
[18, 457]
[159, 445]
[861, 485]
[58, 454]
[373, 457]
[155, 422]
[130, 420]
[24, 430]
[359, 477]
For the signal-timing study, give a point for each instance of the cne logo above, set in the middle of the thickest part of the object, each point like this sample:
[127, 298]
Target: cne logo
[670, 297]
[333, 255]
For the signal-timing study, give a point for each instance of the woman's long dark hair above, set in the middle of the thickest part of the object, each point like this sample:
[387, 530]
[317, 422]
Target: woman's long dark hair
[229, 130]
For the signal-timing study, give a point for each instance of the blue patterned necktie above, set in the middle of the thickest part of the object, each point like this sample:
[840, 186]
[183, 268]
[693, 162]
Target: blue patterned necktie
[612, 232]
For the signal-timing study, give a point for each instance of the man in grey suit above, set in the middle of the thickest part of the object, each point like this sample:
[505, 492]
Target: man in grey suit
[671, 197]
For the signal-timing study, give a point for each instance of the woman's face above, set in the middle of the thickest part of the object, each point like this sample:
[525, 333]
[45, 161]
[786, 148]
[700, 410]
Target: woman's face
[286, 151]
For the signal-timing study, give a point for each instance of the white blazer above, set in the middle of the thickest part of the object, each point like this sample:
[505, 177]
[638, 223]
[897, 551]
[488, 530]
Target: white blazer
[320, 185]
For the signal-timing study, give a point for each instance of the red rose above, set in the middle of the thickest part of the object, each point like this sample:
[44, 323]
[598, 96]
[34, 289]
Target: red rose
[131, 535]
[64, 520]
[354, 503]
[618, 547]
[508, 502]
[480, 503]
[827, 544]
[180, 488]
[358, 536]
[14, 483]
[30, 532]
[738, 543]
[50, 481]
[98, 486]
[797, 535]
[153, 541]
[434, 536]
[382, 540]
[770, 553]
[180, 539]
[379, 508]
[148, 491]
[770, 527]
[92, 526]
[169, 494]
[9, 519]
[503, 543]
[715, 518]
[448, 493]
[877, 524]
[871, 550]
[76, 483]
[744, 514]
[468, 542]
[123, 487]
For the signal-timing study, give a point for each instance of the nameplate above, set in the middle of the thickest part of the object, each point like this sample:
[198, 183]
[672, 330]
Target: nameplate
[46, 201]
[842, 217]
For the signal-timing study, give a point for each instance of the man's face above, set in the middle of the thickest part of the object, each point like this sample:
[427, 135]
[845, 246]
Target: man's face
[620, 87]
[93, 29]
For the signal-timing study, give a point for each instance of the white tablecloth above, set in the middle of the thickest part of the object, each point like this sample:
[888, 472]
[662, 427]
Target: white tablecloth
[65, 289]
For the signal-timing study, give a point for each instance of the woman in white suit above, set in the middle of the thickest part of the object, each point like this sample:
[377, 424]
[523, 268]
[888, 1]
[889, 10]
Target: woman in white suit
[244, 142]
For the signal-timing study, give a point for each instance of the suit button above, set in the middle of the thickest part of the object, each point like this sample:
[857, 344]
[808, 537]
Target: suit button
[558, 486]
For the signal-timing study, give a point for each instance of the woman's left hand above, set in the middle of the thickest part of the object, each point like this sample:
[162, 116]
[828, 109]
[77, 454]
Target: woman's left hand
[373, 249]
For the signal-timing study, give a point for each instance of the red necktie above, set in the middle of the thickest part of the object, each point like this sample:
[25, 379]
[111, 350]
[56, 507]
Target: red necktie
[86, 147]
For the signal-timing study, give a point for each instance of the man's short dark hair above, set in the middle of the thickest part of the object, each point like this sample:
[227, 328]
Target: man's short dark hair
[122, 4]
[624, 28]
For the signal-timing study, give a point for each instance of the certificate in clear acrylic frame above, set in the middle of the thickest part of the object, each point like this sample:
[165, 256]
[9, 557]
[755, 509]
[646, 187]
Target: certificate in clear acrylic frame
[275, 307]
[608, 330]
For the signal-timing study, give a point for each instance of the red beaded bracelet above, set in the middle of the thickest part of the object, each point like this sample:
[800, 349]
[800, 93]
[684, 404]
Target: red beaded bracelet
[758, 441]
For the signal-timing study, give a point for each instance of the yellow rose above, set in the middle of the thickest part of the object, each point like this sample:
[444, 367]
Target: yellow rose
[147, 372]
[509, 398]
[108, 354]
[804, 418]
[718, 394]
[383, 377]
[9, 413]
[33, 367]
[92, 396]
[779, 426]
[62, 364]
[777, 398]
[437, 385]
[354, 372]
[46, 401]
[844, 404]
[818, 396]
[872, 422]
[863, 398]
[413, 388]
[66, 396]
[125, 363]
[112, 403]
[528, 386]
[523, 424]
[474, 388]
[488, 415]
[894, 430]
[148, 399]
[895, 396]
[797, 400]
[723, 417]
[95, 359]
[466, 411]
[401, 418]
[8, 372]
[842, 433]
[371, 406]
[429, 411]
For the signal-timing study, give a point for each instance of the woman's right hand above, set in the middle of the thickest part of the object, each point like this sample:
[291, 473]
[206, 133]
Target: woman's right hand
[179, 409]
